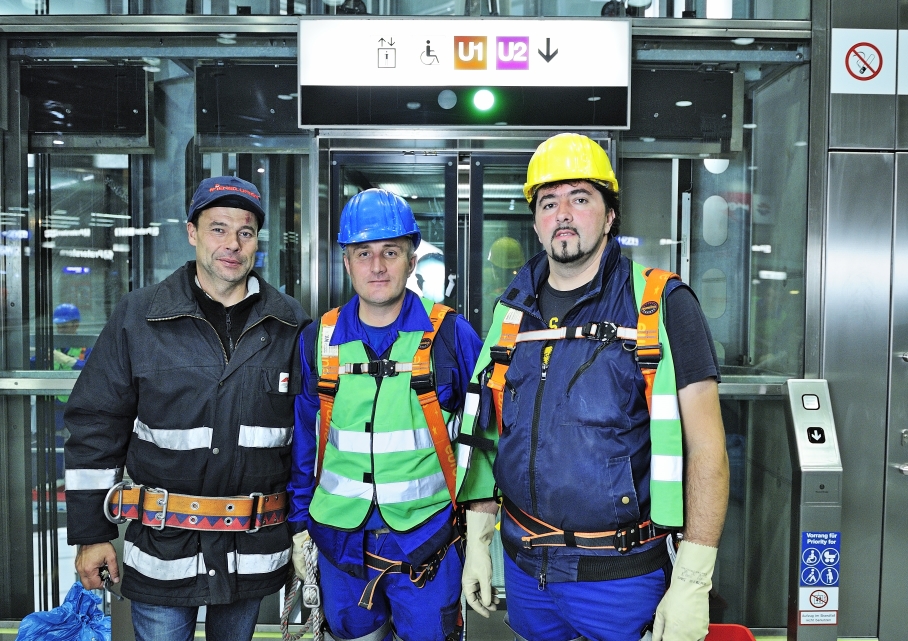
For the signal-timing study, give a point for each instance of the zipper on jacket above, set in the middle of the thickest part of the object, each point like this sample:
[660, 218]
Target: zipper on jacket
[229, 335]
[585, 366]
[534, 434]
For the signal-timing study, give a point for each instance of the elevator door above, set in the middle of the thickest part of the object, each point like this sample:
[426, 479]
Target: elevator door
[893, 617]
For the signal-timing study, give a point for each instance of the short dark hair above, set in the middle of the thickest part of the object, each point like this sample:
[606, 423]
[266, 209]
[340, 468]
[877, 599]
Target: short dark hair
[609, 196]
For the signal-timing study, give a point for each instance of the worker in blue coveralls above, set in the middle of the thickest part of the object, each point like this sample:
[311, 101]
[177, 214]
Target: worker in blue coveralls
[376, 460]
[602, 378]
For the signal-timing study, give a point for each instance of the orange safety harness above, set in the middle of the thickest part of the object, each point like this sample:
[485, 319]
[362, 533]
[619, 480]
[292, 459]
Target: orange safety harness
[422, 382]
[648, 349]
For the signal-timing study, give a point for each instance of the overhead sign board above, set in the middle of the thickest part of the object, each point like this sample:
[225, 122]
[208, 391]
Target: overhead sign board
[548, 73]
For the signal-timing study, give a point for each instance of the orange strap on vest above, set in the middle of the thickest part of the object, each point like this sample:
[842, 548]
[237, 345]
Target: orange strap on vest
[422, 382]
[327, 390]
[501, 356]
[649, 349]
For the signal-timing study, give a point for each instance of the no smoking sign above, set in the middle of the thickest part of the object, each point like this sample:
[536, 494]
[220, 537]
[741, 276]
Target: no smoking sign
[864, 61]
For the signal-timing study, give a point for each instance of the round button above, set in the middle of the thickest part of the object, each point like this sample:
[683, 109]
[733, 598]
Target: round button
[210, 572]
[216, 451]
[625, 500]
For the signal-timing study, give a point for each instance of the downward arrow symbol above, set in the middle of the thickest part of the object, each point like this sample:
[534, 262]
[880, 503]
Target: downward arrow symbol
[549, 54]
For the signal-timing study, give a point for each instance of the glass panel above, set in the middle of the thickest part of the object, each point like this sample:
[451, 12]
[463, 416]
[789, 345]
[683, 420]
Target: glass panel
[741, 242]
[508, 239]
[751, 577]
[711, 9]
[423, 186]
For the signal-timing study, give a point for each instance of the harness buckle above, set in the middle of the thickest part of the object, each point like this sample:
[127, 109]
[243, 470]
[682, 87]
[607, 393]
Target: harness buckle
[423, 384]
[432, 566]
[649, 355]
[383, 368]
[500, 354]
[601, 331]
[627, 538]
[327, 386]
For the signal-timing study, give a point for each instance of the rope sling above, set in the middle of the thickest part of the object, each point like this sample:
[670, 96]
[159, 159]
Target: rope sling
[304, 593]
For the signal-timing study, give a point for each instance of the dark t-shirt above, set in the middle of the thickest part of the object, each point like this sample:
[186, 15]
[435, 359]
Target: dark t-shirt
[693, 351]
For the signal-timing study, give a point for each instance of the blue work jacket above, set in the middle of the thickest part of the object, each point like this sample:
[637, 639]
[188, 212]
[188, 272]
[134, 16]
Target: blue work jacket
[575, 444]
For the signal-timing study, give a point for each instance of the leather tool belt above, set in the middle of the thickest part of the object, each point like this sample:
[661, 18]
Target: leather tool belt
[159, 508]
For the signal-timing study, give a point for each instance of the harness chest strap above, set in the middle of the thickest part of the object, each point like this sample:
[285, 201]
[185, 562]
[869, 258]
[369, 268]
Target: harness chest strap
[421, 382]
[511, 336]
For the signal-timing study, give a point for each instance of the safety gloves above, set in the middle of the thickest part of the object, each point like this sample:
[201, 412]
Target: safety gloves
[683, 613]
[298, 556]
[477, 564]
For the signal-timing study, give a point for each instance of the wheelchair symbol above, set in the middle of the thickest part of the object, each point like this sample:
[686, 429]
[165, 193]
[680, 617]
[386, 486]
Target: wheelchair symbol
[428, 56]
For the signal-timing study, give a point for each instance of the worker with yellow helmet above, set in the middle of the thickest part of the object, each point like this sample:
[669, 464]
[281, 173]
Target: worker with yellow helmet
[608, 438]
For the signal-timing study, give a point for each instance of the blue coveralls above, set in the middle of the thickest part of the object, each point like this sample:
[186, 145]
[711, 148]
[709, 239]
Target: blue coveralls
[431, 612]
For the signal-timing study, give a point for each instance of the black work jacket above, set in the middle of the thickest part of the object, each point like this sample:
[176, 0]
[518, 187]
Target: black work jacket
[160, 397]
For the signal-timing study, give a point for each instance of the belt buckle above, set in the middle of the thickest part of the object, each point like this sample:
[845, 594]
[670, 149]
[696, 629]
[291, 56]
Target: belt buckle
[255, 496]
[119, 518]
[162, 515]
[627, 538]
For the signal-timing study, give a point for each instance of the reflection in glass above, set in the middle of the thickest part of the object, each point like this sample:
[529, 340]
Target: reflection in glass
[508, 239]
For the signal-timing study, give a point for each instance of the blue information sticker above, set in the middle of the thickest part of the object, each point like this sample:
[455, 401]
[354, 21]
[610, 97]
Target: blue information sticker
[820, 557]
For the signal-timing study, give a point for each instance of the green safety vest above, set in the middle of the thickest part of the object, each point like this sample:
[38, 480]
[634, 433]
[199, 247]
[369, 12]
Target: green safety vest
[379, 447]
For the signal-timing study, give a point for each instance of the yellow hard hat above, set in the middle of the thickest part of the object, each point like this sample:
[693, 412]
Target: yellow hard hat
[506, 253]
[568, 156]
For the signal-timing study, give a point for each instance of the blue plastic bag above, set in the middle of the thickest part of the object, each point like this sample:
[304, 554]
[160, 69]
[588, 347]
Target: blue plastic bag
[78, 619]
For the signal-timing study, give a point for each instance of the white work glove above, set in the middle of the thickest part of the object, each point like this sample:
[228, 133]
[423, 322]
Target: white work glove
[683, 613]
[477, 563]
[65, 360]
[298, 556]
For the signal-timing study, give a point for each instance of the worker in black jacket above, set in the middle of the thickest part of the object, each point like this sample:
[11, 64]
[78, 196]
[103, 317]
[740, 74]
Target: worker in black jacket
[190, 389]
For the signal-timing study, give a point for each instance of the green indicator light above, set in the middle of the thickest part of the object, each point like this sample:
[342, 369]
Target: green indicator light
[484, 99]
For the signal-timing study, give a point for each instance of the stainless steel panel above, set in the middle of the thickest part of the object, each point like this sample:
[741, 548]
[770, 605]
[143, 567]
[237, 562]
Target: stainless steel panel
[856, 358]
[867, 14]
[861, 121]
[893, 615]
[901, 124]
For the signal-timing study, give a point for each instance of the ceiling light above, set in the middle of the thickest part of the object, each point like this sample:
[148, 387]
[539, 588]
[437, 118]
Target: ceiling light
[683, 103]
[750, 125]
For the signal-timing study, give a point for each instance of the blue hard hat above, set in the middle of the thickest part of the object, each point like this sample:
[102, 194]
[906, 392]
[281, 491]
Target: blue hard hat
[377, 214]
[66, 312]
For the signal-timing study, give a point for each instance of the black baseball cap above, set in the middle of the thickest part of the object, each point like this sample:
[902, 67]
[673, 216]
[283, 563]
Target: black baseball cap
[226, 191]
